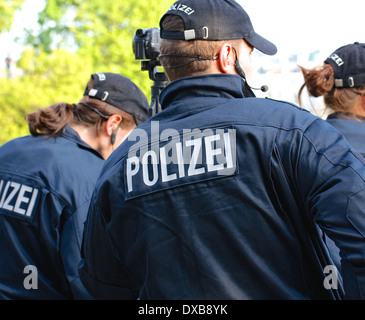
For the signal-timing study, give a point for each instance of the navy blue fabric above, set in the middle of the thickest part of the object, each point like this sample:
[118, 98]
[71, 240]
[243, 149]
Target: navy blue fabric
[45, 189]
[354, 131]
[186, 230]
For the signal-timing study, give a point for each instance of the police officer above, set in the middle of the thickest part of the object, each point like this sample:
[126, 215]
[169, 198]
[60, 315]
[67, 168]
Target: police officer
[220, 195]
[46, 181]
[341, 82]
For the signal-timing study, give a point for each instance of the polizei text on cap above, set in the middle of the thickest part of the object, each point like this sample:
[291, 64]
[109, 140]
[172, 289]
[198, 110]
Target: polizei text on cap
[183, 8]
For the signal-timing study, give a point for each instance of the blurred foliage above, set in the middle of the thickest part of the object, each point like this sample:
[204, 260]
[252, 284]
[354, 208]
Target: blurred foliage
[7, 10]
[48, 78]
[75, 39]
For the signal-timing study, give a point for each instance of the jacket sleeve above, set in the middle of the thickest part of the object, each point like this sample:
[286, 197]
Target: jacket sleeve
[71, 237]
[102, 273]
[332, 183]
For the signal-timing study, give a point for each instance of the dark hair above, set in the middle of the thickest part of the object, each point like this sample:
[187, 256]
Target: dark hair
[178, 67]
[320, 82]
[53, 120]
[50, 121]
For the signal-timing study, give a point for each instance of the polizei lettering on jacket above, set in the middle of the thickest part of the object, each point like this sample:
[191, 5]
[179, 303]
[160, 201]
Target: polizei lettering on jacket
[17, 199]
[176, 159]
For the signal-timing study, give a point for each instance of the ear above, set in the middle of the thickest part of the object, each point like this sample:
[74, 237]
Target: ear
[112, 123]
[226, 58]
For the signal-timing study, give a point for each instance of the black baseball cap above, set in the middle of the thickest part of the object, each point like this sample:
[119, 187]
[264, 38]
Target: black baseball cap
[348, 63]
[215, 20]
[120, 92]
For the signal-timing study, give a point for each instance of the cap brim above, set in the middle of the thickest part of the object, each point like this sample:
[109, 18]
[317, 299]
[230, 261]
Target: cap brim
[261, 44]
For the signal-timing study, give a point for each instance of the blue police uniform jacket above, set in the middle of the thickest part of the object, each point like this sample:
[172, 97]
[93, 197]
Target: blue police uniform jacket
[45, 189]
[219, 196]
[353, 130]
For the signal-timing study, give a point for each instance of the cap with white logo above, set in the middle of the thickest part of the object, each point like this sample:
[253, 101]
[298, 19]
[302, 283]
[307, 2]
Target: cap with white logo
[348, 63]
[215, 20]
[120, 92]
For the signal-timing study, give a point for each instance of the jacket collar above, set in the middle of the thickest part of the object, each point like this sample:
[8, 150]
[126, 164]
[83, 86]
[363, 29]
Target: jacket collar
[346, 115]
[211, 85]
[72, 135]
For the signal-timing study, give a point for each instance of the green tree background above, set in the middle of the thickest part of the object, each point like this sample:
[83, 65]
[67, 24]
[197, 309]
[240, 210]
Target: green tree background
[75, 39]
[7, 9]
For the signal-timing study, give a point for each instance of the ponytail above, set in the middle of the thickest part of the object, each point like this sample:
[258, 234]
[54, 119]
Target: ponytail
[50, 121]
[319, 81]
[88, 112]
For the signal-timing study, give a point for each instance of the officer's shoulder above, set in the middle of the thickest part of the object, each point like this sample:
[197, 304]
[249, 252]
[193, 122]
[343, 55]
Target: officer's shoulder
[282, 104]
